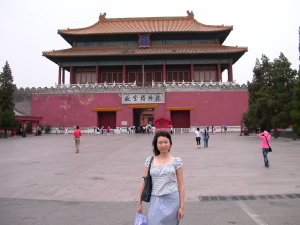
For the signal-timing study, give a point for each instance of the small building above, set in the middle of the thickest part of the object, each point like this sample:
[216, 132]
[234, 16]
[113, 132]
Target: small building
[25, 121]
[162, 124]
[32, 121]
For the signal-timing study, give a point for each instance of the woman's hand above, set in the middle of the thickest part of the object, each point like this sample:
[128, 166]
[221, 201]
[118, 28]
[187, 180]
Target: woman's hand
[180, 213]
[140, 209]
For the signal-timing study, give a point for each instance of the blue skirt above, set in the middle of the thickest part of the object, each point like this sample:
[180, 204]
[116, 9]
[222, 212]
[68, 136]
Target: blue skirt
[163, 210]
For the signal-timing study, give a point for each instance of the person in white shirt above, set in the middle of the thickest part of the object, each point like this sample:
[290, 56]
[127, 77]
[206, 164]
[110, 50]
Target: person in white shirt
[198, 137]
[66, 131]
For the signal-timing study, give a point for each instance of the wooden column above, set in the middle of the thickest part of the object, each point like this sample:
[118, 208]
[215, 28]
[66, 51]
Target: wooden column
[192, 77]
[72, 75]
[97, 74]
[218, 79]
[124, 74]
[59, 75]
[63, 75]
[230, 72]
[164, 73]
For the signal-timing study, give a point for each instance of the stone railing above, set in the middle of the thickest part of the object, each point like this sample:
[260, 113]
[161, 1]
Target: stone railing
[132, 87]
[97, 85]
[188, 84]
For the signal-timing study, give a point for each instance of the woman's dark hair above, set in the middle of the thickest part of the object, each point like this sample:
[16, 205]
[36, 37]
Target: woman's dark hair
[161, 133]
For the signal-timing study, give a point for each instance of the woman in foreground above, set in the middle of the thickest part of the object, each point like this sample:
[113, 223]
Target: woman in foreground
[166, 206]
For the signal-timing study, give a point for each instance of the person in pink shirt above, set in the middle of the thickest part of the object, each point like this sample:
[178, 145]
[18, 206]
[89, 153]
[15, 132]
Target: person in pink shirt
[77, 133]
[265, 144]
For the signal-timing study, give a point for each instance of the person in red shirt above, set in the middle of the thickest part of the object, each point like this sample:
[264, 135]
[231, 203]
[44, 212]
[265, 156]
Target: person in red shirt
[77, 134]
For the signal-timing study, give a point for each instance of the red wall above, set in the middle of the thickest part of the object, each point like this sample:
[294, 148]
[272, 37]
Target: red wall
[73, 109]
[212, 108]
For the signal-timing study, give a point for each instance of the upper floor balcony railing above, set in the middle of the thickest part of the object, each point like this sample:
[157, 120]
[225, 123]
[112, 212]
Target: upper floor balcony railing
[134, 84]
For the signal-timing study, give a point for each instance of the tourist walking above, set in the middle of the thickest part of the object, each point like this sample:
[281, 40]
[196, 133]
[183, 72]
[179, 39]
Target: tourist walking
[171, 130]
[265, 144]
[66, 131]
[77, 133]
[166, 206]
[198, 137]
[205, 138]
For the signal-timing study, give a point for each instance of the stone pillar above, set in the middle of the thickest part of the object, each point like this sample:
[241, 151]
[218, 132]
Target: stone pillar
[164, 73]
[59, 75]
[192, 77]
[230, 72]
[124, 74]
[218, 79]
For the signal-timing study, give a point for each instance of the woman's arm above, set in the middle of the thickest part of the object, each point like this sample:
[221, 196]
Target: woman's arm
[261, 135]
[179, 174]
[140, 208]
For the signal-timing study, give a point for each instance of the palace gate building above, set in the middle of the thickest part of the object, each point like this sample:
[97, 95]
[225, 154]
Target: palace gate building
[129, 71]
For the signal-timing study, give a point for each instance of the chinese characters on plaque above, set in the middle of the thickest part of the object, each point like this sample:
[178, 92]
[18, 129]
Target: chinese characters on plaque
[142, 98]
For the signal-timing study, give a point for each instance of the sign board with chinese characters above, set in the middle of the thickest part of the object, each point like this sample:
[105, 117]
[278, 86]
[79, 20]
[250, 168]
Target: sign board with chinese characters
[124, 123]
[143, 98]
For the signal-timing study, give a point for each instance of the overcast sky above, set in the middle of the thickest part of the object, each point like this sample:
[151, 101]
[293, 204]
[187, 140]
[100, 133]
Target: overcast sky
[29, 27]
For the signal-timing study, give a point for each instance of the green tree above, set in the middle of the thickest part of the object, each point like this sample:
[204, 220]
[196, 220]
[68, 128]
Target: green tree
[295, 113]
[42, 127]
[270, 94]
[48, 129]
[7, 88]
[257, 115]
[28, 128]
[9, 122]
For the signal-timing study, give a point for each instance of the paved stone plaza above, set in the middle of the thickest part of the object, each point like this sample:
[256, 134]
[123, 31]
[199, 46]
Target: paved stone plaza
[43, 180]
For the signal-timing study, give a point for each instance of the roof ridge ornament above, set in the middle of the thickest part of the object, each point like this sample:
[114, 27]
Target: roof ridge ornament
[190, 14]
[102, 17]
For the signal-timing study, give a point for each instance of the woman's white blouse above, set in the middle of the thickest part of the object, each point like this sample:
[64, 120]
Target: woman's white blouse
[164, 177]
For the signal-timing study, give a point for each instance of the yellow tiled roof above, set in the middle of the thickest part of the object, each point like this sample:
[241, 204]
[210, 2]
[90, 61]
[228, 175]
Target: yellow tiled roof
[145, 25]
[153, 50]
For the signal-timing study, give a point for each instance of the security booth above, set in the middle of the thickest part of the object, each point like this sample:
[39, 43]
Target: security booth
[32, 121]
[162, 124]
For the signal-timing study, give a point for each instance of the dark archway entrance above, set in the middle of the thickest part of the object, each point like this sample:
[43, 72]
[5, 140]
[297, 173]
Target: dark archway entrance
[180, 118]
[142, 117]
[107, 119]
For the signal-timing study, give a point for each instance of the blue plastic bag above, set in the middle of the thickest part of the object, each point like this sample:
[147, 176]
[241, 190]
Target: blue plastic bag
[140, 219]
